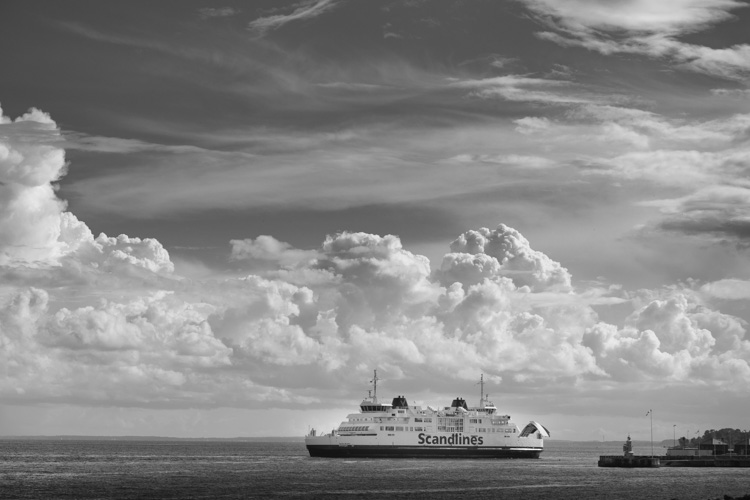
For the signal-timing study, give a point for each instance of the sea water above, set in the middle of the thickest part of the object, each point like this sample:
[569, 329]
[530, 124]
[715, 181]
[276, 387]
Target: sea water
[126, 469]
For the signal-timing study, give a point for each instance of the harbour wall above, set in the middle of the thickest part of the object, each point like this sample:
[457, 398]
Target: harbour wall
[672, 461]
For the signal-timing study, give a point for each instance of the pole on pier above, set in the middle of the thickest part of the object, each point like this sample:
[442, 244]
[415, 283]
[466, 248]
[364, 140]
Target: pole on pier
[651, 412]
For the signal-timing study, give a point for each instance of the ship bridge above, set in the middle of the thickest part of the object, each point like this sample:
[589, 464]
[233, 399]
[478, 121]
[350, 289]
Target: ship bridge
[369, 406]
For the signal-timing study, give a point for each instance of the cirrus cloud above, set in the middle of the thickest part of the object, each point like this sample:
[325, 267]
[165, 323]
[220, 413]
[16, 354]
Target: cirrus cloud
[649, 28]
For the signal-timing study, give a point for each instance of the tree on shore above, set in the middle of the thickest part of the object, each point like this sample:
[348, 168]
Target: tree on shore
[728, 435]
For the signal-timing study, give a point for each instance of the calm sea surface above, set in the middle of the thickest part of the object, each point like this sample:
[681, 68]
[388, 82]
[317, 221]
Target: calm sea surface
[188, 469]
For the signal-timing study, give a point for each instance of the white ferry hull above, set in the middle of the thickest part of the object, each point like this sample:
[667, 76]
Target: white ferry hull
[385, 451]
[413, 445]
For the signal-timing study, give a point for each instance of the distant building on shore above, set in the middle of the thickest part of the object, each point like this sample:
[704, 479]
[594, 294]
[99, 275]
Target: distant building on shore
[687, 451]
[742, 448]
[707, 448]
[716, 446]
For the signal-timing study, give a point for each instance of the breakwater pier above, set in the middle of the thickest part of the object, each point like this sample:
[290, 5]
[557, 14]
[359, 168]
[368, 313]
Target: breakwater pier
[667, 461]
[715, 461]
[629, 460]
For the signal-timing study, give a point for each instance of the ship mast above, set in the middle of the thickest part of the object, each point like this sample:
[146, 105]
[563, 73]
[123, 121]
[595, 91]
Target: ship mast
[374, 382]
[481, 391]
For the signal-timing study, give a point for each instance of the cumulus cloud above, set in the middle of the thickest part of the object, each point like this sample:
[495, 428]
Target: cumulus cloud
[34, 227]
[509, 254]
[673, 338]
[728, 289]
[29, 209]
[306, 329]
[269, 249]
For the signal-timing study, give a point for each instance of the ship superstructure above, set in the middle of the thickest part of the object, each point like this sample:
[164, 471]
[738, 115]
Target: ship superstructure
[397, 429]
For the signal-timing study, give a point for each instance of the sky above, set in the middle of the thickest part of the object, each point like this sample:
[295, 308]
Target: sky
[218, 218]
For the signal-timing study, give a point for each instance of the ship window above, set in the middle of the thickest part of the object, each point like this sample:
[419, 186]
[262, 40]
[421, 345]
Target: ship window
[399, 428]
[381, 427]
[389, 427]
[417, 419]
[447, 424]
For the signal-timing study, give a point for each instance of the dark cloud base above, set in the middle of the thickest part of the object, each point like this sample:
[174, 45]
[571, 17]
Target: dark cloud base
[735, 232]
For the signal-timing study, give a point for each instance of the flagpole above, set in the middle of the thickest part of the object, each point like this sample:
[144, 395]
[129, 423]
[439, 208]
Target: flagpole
[651, 413]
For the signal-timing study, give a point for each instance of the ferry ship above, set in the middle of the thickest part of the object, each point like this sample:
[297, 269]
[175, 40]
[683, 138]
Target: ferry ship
[398, 429]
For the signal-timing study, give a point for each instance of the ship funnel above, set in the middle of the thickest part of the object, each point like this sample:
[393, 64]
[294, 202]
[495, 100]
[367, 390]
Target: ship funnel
[459, 403]
[400, 402]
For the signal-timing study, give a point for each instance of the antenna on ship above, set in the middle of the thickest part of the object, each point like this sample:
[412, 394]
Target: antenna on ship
[481, 391]
[481, 388]
[374, 381]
